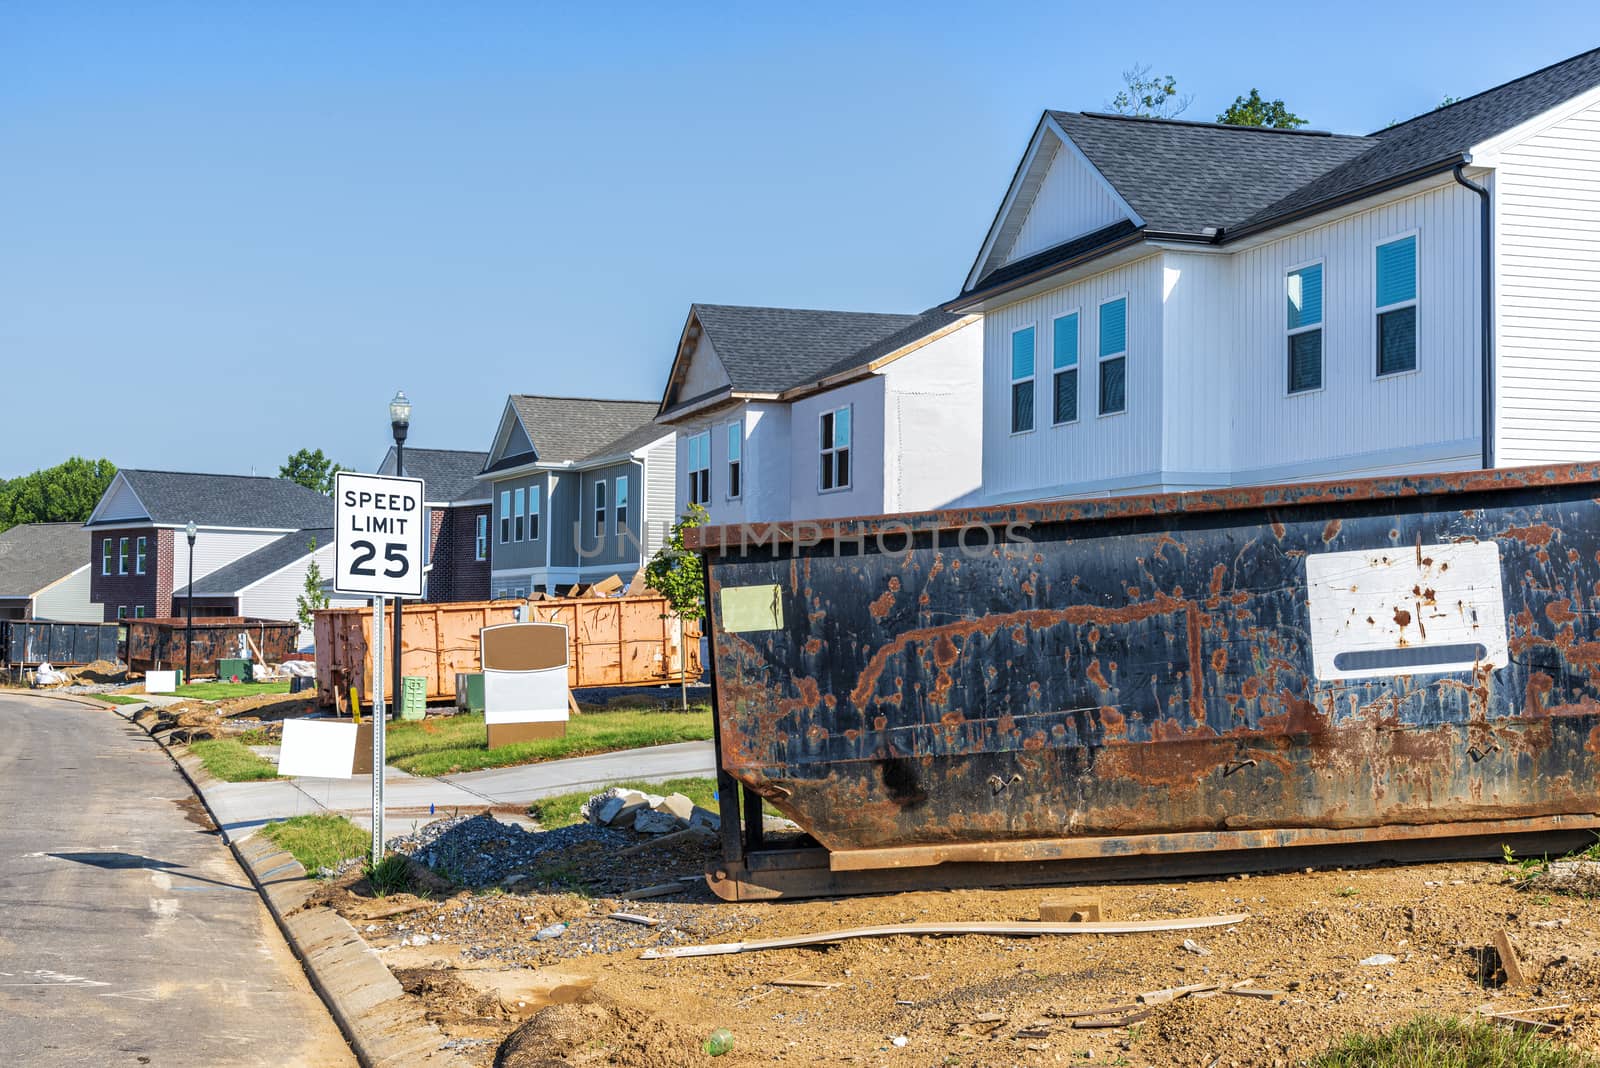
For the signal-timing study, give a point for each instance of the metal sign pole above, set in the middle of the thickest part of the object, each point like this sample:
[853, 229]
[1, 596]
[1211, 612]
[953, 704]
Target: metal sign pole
[379, 719]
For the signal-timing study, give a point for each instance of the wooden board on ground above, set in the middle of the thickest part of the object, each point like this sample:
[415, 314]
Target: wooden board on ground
[1072, 908]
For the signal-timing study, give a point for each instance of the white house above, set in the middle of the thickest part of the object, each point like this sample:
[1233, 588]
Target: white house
[784, 413]
[1175, 305]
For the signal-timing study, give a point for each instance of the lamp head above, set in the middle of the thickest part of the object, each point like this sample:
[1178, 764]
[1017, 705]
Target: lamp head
[190, 530]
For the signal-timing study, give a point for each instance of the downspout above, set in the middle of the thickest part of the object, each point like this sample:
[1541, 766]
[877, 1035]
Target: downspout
[1486, 310]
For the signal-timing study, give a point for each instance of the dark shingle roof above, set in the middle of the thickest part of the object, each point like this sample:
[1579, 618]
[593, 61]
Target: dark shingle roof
[447, 474]
[34, 555]
[573, 429]
[274, 556]
[229, 500]
[769, 350]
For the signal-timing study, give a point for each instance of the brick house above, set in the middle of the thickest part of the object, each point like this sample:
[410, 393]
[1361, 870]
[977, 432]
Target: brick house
[139, 557]
[456, 554]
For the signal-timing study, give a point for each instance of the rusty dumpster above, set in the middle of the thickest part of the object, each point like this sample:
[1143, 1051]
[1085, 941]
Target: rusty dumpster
[162, 642]
[1221, 673]
[31, 642]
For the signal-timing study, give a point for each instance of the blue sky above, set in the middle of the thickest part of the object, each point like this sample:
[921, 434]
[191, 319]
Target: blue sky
[228, 231]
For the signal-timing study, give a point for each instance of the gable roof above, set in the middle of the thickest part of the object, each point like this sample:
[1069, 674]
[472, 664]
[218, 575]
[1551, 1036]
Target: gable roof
[769, 350]
[447, 474]
[247, 501]
[35, 555]
[1208, 182]
[572, 430]
[232, 578]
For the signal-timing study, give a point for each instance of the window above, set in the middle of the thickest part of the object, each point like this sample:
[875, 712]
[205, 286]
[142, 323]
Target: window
[122, 556]
[622, 504]
[105, 557]
[1064, 363]
[535, 501]
[1022, 380]
[735, 459]
[122, 611]
[505, 516]
[519, 510]
[1397, 306]
[700, 469]
[836, 449]
[138, 611]
[138, 556]
[1114, 356]
[480, 547]
[600, 509]
[1304, 327]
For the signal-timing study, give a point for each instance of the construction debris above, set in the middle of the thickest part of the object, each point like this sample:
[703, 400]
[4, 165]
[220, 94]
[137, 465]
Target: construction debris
[1508, 959]
[1084, 908]
[644, 813]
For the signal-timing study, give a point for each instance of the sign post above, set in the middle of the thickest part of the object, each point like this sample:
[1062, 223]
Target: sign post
[377, 550]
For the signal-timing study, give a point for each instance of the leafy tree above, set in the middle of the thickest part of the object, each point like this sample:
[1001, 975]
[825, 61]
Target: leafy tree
[65, 493]
[311, 469]
[313, 598]
[676, 574]
[1253, 111]
[1149, 96]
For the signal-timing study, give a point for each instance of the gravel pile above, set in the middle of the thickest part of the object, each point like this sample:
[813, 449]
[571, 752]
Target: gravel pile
[479, 851]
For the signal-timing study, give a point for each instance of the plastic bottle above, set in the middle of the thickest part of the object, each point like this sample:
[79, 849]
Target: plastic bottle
[718, 1042]
[555, 930]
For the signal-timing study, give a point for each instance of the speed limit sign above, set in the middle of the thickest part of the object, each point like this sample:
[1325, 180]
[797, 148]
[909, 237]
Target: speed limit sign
[378, 532]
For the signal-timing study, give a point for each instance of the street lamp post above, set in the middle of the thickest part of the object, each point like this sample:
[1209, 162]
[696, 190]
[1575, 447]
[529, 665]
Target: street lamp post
[189, 532]
[400, 423]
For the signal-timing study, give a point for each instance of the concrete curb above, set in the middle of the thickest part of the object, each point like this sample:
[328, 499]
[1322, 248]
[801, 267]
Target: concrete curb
[73, 698]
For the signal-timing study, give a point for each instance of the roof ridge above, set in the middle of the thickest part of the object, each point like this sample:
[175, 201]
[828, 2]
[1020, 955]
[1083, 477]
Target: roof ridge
[1484, 92]
[199, 474]
[592, 400]
[811, 311]
[1234, 127]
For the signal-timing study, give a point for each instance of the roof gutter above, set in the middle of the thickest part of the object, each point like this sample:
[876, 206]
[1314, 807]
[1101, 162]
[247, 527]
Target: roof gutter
[1425, 171]
[972, 300]
[1485, 308]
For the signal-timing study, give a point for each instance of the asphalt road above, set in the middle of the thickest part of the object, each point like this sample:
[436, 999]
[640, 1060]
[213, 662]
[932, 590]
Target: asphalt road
[128, 934]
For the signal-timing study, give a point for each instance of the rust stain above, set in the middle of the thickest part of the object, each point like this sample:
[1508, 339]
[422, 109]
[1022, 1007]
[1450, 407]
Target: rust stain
[1560, 612]
[1219, 660]
[1534, 536]
[1217, 574]
[1331, 530]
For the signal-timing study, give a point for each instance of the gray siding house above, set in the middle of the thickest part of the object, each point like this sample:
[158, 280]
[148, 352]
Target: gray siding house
[580, 490]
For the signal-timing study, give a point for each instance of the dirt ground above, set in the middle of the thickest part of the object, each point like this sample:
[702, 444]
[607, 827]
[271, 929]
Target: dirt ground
[586, 997]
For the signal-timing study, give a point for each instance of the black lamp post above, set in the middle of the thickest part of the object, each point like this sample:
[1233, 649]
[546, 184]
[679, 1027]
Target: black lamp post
[400, 423]
[188, 605]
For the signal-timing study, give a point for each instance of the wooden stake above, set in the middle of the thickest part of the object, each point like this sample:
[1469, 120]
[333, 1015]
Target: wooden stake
[1508, 959]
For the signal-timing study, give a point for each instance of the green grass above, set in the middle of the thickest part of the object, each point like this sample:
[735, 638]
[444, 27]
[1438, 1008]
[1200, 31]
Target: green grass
[1434, 1042]
[221, 691]
[120, 698]
[459, 743]
[319, 841]
[232, 761]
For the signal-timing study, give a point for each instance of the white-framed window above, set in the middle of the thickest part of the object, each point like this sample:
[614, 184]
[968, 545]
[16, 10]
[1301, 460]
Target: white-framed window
[735, 460]
[700, 468]
[122, 556]
[138, 556]
[519, 506]
[105, 556]
[1064, 369]
[1113, 362]
[1303, 327]
[621, 512]
[600, 508]
[835, 448]
[535, 510]
[1396, 298]
[480, 541]
[1022, 346]
[505, 516]
[138, 611]
[518, 592]
[122, 611]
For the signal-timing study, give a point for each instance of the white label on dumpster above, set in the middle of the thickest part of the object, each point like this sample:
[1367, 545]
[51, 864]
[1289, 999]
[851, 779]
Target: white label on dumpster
[1406, 610]
[378, 532]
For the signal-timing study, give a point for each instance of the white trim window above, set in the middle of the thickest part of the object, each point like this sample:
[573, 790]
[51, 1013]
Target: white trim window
[1113, 361]
[106, 551]
[619, 516]
[519, 510]
[535, 510]
[600, 508]
[138, 611]
[1396, 298]
[122, 611]
[834, 426]
[480, 544]
[700, 468]
[735, 460]
[122, 556]
[1022, 346]
[1064, 369]
[505, 516]
[139, 555]
[1303, 327]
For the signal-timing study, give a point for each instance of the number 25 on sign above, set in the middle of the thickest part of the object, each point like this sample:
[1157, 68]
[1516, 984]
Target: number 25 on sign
[379, 527]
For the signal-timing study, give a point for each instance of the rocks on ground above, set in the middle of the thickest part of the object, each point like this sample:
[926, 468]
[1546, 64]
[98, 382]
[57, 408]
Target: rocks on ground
[647, 813]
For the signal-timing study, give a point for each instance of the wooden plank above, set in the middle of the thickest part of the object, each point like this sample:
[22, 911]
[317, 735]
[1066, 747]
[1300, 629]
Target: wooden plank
[1070, 908]
[658, 890]
[807, 984]
[1508, 959]
[1173, 993]
[633, 917]
[1026, 929]
[1112, 1021]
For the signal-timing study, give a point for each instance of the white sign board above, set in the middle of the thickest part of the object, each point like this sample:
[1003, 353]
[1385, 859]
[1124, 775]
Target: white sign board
[378, 532]
[322, 749]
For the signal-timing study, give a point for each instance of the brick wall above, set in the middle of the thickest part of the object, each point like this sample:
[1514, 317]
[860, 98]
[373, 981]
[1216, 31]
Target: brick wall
[114, 590]
[457, 575]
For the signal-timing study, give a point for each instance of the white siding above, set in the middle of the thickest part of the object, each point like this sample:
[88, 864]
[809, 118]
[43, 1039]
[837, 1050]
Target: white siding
[68, 600]
[212, 549]
[659, 495]
[1072, 201]
[1196, 352]
[277, 596]
[1547, 195]
[933, 431]
[705, 372]
[119, 503]
[867, 462]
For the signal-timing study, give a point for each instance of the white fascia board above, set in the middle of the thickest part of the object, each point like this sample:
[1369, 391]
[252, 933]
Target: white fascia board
[872, 367]
[1486, 153]
[1110, 261]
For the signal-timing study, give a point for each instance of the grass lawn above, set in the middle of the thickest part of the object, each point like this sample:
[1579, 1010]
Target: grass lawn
[458, 743]
[319, 841]
[221, 691]
[120, 698]
[232, 761]
[1432, 1042]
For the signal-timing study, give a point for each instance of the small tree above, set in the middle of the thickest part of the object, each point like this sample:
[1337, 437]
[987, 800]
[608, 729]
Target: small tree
[311, 469]
[677, 574]
[313, 598]
[1253, 111]
[1148, 96]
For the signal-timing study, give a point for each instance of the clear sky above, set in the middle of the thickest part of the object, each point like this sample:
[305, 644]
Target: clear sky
[230, 230]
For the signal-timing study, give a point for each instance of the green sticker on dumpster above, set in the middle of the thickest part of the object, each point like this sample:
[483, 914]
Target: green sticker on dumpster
[747, 608]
